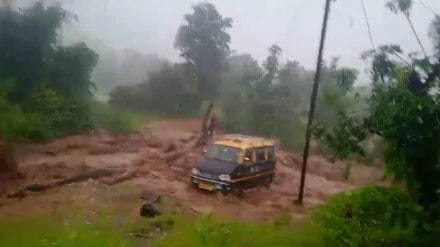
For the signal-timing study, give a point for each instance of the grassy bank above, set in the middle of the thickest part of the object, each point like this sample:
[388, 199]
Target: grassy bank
[47, 230]
[165, 231]
[372, 216]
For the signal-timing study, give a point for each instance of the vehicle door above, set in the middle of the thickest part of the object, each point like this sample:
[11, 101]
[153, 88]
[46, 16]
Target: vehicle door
[257, 166]
[246, 170]
[270, 162]
[261, 160]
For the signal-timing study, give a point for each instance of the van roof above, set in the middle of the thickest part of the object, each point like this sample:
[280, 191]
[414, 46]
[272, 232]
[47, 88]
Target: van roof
[244, 141]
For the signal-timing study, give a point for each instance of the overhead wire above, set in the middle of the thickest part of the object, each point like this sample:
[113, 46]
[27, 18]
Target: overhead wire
[426, 6]
[368, 25]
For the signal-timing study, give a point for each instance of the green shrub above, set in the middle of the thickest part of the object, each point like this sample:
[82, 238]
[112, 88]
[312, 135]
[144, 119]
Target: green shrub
[52, 116]
[16, 124]
[372, 216]
[106, 117]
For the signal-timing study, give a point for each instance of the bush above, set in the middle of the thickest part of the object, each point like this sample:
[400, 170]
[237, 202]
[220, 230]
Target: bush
[372, 216]
[105, 117]
[52, 117]
[16, 124]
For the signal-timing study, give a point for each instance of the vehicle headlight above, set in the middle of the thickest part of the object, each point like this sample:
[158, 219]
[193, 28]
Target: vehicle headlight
[195, 171]
[224, 177]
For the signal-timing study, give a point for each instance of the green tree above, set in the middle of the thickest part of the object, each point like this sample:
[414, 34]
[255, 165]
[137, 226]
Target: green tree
[168, 91]
[28, 39]
[405, 6]
[49, 83]
[271, 100]
[404, 111]
[70, 71]
[204, 43]
[434, 34]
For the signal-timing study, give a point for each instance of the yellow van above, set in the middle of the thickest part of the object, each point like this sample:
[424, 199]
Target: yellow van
[236, 163]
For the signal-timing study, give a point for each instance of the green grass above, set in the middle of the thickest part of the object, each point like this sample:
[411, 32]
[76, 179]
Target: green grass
[107, 229]
[45, 230]
[211, 231]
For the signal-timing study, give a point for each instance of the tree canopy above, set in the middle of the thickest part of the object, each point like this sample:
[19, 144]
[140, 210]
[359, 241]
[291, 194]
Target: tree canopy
[45, 88]
[404, 110]
[204, 43]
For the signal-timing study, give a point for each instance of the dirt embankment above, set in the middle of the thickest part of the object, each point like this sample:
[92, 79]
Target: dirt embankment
[161, 161]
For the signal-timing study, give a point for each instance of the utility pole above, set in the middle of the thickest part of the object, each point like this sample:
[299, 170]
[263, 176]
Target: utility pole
[316, 80]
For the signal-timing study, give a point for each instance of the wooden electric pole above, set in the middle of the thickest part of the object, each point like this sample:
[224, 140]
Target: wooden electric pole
[316, 80]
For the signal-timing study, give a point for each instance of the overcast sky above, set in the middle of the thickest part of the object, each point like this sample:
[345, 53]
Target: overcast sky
[150, 26]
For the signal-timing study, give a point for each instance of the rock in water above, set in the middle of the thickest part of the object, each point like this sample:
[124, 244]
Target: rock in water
[150, 210]
[150, 196]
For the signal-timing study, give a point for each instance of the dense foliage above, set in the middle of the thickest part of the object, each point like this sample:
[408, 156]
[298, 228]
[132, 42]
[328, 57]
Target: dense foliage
[204, 44]
[372, 216]
[405, 112]
[46, 91]
[45, 88]
[169, 91]
[270, 99]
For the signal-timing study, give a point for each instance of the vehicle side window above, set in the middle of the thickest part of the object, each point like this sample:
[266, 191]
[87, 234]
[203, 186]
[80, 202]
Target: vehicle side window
[271, 153]
[248, 154]
[261, 154]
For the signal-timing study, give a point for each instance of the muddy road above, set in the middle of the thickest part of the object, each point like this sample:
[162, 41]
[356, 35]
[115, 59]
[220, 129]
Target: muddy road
[66, 156]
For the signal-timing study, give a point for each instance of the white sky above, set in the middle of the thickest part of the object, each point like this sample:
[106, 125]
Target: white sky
[150, 26]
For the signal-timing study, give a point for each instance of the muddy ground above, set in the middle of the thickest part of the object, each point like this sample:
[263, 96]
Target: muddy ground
[69, 155]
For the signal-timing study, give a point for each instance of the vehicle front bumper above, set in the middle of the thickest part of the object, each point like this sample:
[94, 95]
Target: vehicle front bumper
[210, 184]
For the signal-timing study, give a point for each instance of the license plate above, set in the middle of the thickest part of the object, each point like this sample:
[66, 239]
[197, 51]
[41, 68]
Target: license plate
[206, 186]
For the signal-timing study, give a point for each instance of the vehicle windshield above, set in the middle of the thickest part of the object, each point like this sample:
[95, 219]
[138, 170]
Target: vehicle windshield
[223, 153]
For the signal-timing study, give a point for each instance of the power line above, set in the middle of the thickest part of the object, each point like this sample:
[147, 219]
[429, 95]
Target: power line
[428, 7]
[368, 25]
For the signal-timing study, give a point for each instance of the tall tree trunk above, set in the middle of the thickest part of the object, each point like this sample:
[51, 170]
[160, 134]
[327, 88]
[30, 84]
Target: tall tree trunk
[316, 80]
[8, 163]
[206, 117]
[415, 34]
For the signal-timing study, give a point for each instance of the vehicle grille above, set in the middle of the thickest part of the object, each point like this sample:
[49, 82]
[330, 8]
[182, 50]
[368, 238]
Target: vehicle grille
[209, 176]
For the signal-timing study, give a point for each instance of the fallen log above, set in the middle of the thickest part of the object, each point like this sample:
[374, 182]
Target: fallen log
[82, 176]
[172, 156]
[91, 174]
[128, 174]
[176, 154]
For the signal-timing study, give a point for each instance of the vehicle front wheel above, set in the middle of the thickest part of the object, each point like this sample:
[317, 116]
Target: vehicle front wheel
[194, 186]
[238, 192]
[267, 181]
